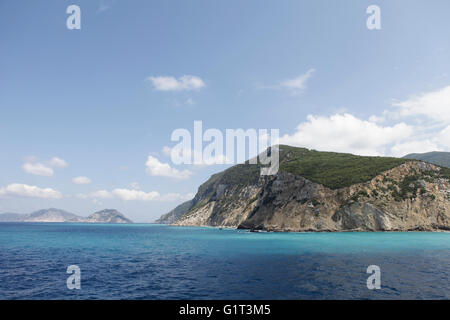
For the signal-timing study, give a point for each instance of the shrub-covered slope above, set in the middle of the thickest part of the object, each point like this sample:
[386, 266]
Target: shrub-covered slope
[325, 191]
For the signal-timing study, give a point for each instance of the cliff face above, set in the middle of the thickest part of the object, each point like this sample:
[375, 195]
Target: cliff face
[395, 200]
[412, 195]
[175, 214]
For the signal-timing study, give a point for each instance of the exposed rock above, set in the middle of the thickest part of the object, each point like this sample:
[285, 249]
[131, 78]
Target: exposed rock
[411, 196]
[175, 214]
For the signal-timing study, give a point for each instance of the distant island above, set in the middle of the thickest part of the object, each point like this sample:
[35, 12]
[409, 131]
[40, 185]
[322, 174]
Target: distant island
[323, 191]
[58, 215]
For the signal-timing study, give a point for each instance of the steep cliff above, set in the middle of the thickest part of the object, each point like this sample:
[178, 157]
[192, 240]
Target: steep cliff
[325, 191]
[175, 214]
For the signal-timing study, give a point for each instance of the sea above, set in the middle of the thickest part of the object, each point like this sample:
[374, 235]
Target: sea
[150, 261]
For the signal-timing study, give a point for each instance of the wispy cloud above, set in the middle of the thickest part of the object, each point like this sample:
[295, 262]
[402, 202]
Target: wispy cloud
[184, 83]
[135, 195]
[294, 85]
[434, 105]
[297, 84]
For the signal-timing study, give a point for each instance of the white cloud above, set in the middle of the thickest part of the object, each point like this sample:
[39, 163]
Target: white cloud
[135, 195]
[129, 194]
[430, 112]
[444, 137]
[419, 124]
[37, 169]
[172, 197]
[377, 119]
[157, 168]
[81, 180]
[167, 83]
[23, 190]
[297, 84]
[434, 105]
[346, 133]
[31, 166]
[415, 146]
[101, 194]
[56, 162]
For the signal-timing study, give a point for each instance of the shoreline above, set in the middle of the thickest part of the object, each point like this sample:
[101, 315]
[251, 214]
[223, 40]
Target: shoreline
[310, 231]
[416, 230]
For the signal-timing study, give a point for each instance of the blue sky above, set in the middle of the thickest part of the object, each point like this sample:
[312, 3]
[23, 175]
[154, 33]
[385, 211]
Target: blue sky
[86, 96]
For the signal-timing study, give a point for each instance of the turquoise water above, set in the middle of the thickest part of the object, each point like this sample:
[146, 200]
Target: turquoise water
[143, 261]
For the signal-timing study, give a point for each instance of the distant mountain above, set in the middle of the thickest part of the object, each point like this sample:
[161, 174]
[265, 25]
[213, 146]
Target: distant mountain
[44, 215]
[108, 216]
[51, 215]
[58, 215]
[10, 217]
[435, 157]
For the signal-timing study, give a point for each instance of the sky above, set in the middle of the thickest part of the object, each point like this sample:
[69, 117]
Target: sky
[86, 115]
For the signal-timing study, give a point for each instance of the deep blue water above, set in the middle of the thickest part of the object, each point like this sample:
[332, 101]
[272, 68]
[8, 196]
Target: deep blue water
[143, 261]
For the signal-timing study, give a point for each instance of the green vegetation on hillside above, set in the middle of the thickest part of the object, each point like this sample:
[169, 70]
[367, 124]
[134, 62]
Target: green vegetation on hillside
[238, 175]
[445, 173]
[334, 170]
[407, 188]
[331, 169]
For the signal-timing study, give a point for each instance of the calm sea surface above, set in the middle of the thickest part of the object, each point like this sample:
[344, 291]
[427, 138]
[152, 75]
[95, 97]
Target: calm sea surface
[142, 261]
